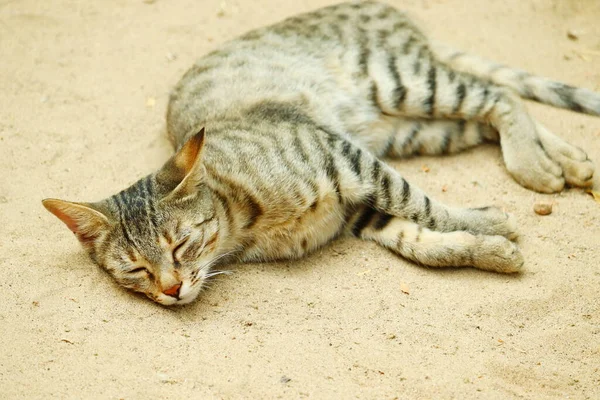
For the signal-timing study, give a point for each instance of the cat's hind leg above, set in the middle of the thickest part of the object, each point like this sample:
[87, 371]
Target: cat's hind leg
[577, 169]
[408, 80]
[419, 136]
[437, 249]
[528, 86]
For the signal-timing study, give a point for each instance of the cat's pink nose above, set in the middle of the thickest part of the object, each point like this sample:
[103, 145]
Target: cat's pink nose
[173, 291]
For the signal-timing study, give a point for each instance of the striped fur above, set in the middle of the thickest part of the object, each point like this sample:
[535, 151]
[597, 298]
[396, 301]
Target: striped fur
[297, 117]
[528, 86]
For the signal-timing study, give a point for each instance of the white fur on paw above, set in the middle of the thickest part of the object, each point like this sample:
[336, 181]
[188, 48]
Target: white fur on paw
[491, 221]
[498, 254]
[578, 170]
[510, 227]
[531, 167]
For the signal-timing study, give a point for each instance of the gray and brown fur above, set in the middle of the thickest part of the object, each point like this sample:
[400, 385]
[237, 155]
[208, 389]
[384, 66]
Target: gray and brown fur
[298, 116]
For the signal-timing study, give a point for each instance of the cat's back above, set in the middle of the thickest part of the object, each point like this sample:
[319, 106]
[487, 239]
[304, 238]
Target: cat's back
[311, 60]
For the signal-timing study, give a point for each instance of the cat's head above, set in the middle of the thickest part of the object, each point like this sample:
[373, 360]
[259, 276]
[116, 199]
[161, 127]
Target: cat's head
[160, 236]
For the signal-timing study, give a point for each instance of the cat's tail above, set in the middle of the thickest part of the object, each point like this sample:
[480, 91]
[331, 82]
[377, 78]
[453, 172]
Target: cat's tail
[528, 86]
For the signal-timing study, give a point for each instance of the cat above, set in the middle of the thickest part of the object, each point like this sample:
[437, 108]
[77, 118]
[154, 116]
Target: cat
[298, 116]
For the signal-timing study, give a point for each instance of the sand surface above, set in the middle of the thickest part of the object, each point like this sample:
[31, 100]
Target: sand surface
[84, 86]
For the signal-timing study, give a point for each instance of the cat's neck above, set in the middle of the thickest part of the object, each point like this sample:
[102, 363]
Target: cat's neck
[228, 242]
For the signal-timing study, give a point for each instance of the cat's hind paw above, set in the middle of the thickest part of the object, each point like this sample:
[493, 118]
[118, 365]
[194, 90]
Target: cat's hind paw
[577, 168]
[531, 166]
[545, 163]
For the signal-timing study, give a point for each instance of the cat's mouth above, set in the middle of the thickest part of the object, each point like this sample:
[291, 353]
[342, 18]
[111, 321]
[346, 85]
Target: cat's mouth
[187, 293]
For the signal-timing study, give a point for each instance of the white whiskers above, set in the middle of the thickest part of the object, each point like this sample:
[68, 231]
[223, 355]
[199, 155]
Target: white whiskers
[213, 273]
[209, 264]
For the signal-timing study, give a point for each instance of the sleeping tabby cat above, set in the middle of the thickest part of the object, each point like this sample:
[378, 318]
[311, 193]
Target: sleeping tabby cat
[298, 116]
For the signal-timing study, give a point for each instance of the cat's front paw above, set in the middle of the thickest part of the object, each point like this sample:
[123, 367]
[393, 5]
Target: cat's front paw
[489, 221]
[498, 254]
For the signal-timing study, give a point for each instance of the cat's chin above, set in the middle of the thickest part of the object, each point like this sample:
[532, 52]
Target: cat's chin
[172, 301]
[165, 300]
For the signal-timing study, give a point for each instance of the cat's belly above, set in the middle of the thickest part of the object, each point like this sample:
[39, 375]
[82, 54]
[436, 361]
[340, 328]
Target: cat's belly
[297, 234]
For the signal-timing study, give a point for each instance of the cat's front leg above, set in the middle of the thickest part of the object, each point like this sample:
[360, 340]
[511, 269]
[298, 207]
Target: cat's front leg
[367, 180]
[436, 249]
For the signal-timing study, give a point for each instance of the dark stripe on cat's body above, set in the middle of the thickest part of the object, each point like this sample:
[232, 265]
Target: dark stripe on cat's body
[346, 148]
[382, 221]
[405, 192]
[255, 211]
[408, 44]
[399, 91]
[375, 171]
[374, 95]
[355, 160]
[432, 224]
[245, 198]
[333, 174]
[410, 138]
[566, 94]
[445, 144]
[225, 205]
[384, 197]
[300, 149]
[414, 217]
[328, 160]
[363, 220]
[462, 125]
[278, 111]
[484, 98]
[432, 86]
[461, 93]
[390, 143]
[427, 210]
[299, 174]
[451, 76]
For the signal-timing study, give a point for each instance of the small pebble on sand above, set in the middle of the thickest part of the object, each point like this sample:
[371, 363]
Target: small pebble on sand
[542, 208]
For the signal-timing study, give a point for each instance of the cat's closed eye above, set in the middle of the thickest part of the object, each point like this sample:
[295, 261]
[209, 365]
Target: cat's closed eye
[178, 247]
[137, 270]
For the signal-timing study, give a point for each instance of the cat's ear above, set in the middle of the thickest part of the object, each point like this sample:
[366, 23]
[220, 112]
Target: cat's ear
[85, 222]
[183, 173]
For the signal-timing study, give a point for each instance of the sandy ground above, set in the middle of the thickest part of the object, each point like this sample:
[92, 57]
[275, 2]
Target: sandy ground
[84, 88]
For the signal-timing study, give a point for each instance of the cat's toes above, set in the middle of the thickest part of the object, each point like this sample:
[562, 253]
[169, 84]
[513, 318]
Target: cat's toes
[492, 221]
[578, 173]
[578, 170]
[532, 168]
[509, 227]
[499, 255]
[502, 224]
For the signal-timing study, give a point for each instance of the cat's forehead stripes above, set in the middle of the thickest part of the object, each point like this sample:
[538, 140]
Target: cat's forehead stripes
[137, 211]
[150, 195]
[166, 235]
[131, 254]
